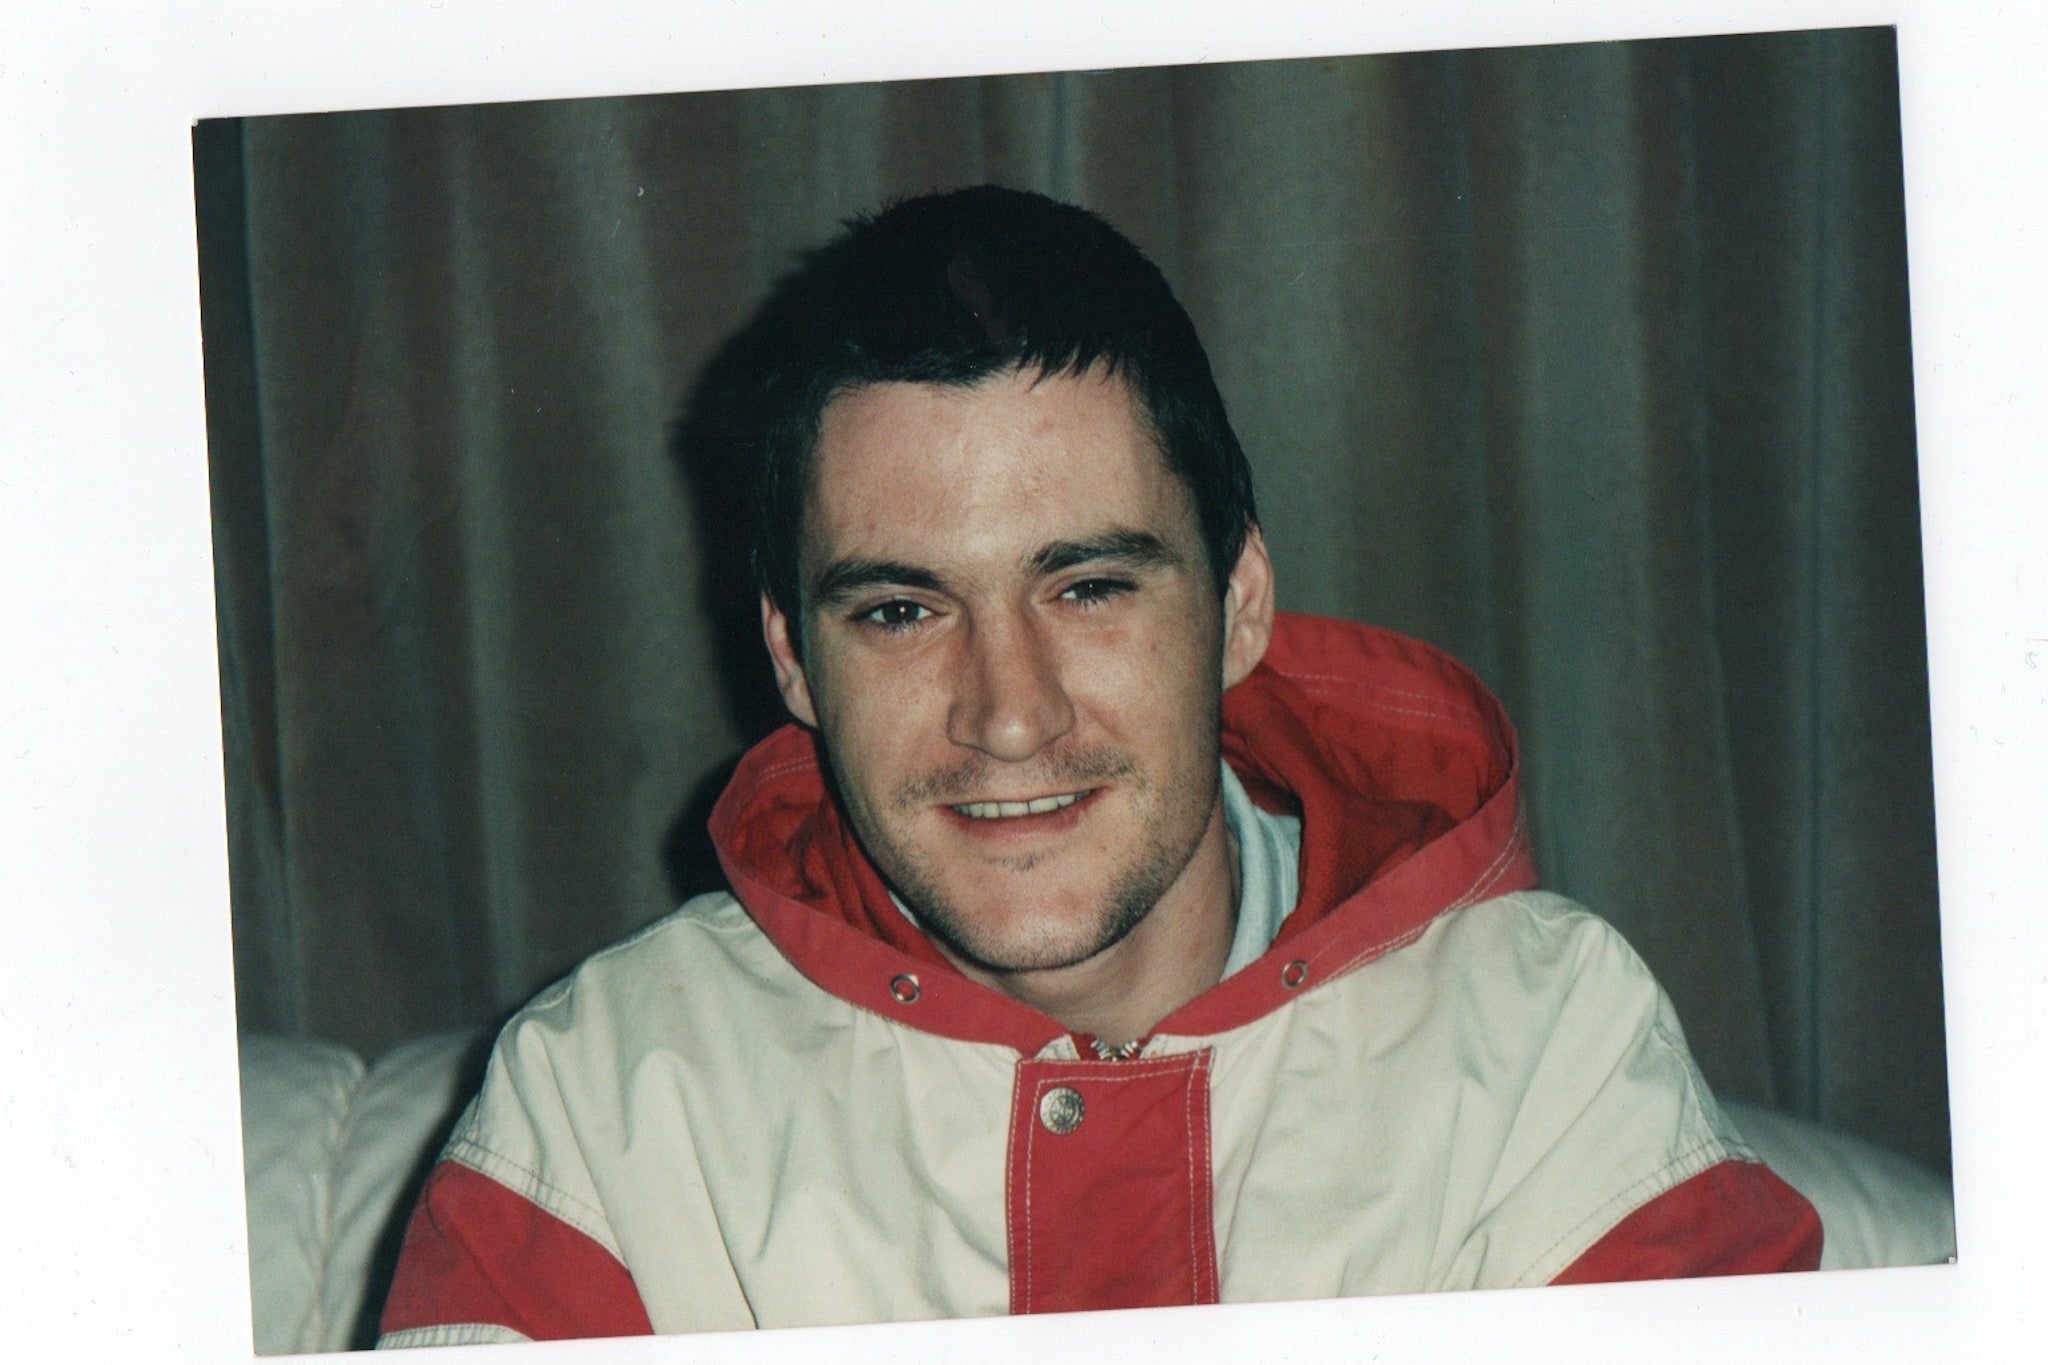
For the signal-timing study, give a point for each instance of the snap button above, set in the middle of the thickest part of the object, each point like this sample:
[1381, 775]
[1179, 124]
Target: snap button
[1293, 974]
[905, 989]
[1060, 1109]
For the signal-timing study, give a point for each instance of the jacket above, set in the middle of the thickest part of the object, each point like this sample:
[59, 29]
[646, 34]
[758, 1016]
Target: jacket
[783, 1106]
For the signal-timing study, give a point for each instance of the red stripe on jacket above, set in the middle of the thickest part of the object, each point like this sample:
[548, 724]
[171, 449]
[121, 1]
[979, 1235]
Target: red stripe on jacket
[1735, 1218]
[1108, 1192]
[476, 1252]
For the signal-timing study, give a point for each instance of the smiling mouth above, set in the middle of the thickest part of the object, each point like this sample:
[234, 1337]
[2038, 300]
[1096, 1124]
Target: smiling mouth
[1010, 810]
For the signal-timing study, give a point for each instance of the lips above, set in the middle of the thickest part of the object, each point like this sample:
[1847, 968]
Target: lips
[1010, 810]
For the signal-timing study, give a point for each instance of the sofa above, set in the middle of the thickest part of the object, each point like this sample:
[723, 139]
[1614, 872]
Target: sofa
[334, 1151]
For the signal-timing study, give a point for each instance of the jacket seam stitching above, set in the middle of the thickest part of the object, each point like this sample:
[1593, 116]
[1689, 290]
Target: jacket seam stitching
[1196, 1064]
[451, 1334]
[1370, 692]
[1635, 1195]
[583, 1217]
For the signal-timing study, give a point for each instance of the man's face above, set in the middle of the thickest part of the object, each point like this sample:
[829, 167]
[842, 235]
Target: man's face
[1015, 654]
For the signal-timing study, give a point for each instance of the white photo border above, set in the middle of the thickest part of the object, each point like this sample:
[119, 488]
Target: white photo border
[118, 1109]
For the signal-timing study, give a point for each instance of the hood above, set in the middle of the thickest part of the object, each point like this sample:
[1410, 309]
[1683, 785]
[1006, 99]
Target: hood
[1400, 764]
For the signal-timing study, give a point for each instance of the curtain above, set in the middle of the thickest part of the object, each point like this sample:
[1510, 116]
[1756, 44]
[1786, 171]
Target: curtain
[1589, 364]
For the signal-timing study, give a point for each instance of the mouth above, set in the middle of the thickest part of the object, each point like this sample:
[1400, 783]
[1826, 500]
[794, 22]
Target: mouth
[1011, 810]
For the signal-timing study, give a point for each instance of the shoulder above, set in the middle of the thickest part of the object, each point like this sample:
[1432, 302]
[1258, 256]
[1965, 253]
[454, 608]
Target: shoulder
[646, 987]
[700, 993]
[1507, 979]
[561, 1072]
[1544, 927]
[1565, 979]
[1537, 956]
[1547, 1012]
[574, 1047]
[706, 928]
[1608, 1110]
[1587, 1041]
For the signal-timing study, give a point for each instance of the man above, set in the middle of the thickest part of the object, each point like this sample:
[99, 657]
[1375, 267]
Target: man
[1099, 937]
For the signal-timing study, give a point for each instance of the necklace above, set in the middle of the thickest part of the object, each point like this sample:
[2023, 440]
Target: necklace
[1122, 1052]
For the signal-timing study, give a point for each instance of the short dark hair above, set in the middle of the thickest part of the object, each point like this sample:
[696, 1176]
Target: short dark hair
[952, 288]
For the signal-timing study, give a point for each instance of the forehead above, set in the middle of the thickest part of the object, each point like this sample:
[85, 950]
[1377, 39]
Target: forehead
[927, 473]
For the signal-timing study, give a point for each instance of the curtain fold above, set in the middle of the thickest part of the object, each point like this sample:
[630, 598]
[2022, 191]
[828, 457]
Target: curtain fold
[1589, 364]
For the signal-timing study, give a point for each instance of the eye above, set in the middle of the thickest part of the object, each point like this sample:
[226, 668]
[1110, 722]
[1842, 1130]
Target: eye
[896, 615]
[1091, 592]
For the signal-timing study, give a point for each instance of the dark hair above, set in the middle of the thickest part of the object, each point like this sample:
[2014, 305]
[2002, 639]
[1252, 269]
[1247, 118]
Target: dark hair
[952, 288]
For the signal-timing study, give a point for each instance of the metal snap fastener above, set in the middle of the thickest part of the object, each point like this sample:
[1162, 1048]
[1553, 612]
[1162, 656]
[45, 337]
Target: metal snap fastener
[906, 989]
[1060, 1109]
[1293, 974]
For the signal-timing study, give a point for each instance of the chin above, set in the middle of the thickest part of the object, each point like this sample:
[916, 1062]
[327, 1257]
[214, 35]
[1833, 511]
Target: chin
[1026, 945]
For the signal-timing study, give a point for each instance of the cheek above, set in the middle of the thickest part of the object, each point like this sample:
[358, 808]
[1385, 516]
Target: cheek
[877, 718]
[1158, 688]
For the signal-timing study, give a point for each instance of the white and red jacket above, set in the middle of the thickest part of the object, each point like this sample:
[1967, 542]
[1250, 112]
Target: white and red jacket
[788, 1108]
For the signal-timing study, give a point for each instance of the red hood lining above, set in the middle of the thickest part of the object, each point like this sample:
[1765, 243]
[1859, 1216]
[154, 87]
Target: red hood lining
[1379, 743]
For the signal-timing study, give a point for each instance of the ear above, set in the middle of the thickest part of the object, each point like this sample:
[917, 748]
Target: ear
[779, 632]
[1247, 610]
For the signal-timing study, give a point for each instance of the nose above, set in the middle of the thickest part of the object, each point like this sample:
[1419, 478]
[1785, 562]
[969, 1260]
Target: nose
[1009, 698]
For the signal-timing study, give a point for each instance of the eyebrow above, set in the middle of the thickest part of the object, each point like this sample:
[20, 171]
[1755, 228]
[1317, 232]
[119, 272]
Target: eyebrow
[1133, 549]
[847, 578]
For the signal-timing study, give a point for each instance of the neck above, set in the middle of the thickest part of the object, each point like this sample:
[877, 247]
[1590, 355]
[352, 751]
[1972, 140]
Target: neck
[1174, 954]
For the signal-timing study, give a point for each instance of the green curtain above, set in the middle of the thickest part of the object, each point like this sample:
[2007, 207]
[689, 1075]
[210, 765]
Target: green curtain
[1588, 363]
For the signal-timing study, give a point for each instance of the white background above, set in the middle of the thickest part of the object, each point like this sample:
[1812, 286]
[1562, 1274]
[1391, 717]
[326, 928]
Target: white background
[119, 1157]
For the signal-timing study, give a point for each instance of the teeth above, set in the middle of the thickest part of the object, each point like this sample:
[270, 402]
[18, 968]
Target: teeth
[1002, 810]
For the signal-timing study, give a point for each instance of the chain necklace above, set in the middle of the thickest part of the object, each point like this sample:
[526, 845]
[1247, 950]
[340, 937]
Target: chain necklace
[1123, 1052]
